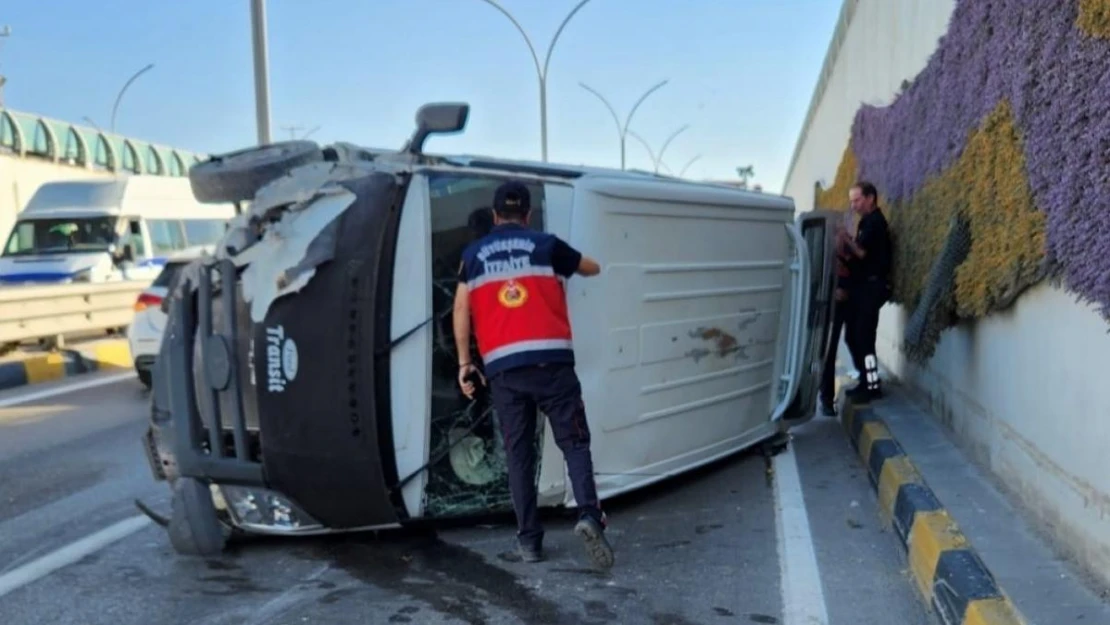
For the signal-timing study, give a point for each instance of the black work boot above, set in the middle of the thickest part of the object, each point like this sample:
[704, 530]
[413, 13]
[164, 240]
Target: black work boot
[828, 408]
[597, 547]
[529, 552]
[863, 393]
[869, 386]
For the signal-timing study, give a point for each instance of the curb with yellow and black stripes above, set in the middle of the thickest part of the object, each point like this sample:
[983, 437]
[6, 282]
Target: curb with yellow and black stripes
[103, 355]
[948, 572]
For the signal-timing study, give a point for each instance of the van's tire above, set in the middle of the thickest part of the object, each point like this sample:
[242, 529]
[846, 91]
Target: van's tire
[237, 176]
[194, 528]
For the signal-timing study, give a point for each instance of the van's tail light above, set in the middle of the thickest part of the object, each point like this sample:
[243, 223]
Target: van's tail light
[147, 300]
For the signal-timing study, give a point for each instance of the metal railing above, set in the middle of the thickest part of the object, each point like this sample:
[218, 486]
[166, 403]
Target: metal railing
[50, 312]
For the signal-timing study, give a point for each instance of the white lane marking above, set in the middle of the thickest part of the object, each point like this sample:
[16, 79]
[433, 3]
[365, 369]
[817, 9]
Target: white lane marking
[70, 553]
[68, 388]
[803, 598]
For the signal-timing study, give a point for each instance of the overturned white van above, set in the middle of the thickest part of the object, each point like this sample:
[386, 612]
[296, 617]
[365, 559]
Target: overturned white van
[307, 380]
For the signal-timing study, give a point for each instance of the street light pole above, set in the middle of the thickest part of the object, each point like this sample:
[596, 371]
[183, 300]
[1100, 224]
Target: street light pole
[261, 71]
[5, 32]
[541, 72]
[119, 96]
[623, 130]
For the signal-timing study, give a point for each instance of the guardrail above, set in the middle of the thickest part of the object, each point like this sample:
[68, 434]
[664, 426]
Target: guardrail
[52, 312]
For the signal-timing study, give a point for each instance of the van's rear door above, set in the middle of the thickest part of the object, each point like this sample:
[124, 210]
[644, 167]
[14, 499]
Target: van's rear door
[813, 235]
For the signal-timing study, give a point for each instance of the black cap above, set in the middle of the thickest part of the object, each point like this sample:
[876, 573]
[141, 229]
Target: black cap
[512, 198]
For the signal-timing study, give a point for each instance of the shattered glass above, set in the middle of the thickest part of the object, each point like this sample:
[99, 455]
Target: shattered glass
[471, 478]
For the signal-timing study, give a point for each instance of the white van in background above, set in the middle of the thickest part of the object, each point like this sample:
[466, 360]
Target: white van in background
[106, 230]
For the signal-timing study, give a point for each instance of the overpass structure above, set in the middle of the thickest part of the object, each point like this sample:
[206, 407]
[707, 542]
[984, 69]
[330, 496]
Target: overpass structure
[984, 132]
[32, 136]
[36, 149]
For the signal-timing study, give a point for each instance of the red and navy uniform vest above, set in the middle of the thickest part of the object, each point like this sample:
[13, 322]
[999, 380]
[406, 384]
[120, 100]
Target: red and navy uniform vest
[517, 300]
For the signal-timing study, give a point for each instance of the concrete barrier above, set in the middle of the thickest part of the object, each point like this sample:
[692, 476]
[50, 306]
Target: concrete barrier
[37, 368]
[945, 567]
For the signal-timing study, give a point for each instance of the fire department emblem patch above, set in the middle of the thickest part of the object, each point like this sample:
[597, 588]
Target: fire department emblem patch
[512, 294]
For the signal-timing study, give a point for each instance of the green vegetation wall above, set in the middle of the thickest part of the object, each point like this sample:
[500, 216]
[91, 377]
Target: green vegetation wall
[1006, 132]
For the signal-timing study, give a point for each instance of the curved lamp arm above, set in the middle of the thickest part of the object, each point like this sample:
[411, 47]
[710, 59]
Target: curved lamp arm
[612, 111]
[647, 147]
[559, 31]
[635, 106]
[663, 149]
[541, 71]
[682, 172]
[119, 96]
[520, 29]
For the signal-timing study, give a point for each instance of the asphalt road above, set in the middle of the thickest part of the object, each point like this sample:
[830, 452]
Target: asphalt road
[704, 548]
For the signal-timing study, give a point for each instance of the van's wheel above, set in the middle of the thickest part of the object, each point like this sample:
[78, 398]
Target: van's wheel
[194, 528]
[237, 176]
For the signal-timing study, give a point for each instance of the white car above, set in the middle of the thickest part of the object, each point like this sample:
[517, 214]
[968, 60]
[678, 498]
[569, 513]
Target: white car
[144, 336]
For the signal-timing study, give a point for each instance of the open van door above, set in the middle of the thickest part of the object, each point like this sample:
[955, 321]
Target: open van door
[814, 269]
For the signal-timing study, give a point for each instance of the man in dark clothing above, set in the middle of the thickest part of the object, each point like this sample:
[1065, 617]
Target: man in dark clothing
[840, 314]
[871, 259]
[512, 284]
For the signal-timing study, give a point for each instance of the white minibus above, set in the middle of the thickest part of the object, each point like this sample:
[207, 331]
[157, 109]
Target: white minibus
[105, 230]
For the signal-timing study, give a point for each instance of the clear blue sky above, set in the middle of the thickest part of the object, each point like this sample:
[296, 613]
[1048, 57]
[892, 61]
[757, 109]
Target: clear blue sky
[741, 73]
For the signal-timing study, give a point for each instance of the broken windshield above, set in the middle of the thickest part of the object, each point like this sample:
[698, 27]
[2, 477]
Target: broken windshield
[471, 478]
[61, 236]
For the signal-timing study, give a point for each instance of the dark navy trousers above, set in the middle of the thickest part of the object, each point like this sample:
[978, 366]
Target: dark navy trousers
[553, 389]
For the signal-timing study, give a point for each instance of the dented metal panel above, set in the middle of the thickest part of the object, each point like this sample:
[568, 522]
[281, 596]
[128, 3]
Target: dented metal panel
[676, 340]
[286, 257]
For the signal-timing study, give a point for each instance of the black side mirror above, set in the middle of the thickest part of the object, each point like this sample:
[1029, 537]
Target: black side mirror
[128, 253]
[438, 118]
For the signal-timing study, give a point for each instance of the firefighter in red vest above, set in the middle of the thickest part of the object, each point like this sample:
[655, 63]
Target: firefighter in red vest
[511, 284]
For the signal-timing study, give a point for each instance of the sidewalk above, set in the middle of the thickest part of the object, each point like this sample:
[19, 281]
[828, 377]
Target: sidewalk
[993, 553]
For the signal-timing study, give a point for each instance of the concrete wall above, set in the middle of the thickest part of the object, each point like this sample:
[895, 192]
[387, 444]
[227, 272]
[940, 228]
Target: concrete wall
[1026, 391]
[20, 177]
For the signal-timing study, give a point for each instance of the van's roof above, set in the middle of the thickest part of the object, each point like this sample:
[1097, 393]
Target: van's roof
[103, 196]
[570, 172]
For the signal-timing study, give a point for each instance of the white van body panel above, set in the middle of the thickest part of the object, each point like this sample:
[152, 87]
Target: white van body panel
[153, 201]
[677, 340]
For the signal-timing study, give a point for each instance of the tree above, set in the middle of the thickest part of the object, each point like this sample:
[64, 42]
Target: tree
[745, 174]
